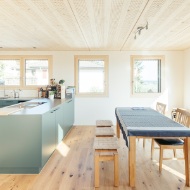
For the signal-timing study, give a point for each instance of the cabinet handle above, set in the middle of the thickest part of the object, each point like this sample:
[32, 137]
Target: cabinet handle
[69, 101]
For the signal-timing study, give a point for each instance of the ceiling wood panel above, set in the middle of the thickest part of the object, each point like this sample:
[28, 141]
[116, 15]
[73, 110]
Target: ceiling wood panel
[89, 25]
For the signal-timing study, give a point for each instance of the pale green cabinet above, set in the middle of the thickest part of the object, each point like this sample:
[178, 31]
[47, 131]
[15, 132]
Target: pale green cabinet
[20, 144]
[48, 135]
[1, 103]
[27, 141]
[68, 116]
[59, 123]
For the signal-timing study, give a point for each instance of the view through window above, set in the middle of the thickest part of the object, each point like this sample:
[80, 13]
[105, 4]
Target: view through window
[91, 75]
[9, 72]
[25, 72]
[36, 72]
[146, 75]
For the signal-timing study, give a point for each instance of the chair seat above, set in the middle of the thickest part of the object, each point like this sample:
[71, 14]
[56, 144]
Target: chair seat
[169, 141]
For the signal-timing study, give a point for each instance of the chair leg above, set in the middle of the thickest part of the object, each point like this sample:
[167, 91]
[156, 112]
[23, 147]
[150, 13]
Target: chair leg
[144, 142]
[152, 148]
[160, 159]
[96, 170]
[116, 171]
[174, 151]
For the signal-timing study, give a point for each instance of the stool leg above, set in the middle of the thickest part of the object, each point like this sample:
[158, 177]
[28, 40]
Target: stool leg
[116, 170]
[96, 170]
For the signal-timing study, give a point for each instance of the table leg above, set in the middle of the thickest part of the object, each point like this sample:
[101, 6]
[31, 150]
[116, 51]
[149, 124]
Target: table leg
[187, 159]
[118, 130]
[132, 161]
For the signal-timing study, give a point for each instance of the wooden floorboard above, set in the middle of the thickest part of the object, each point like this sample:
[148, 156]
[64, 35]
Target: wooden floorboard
[71, 167]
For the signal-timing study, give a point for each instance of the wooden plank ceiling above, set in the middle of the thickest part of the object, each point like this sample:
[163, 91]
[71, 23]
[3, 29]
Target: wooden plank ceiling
[94, 25]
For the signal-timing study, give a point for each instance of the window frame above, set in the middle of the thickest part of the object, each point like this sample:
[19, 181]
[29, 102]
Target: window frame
[105, 58]
[148, 57]
[22, 59]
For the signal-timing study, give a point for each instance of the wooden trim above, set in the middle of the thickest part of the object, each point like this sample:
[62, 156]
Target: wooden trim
[22, 58]
[162, 58]
[91, 57]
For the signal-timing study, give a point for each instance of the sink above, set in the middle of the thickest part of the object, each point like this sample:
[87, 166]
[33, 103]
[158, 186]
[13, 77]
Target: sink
[26, 105]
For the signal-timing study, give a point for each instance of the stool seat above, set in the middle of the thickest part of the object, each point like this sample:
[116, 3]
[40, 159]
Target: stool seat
[104, 132]
[104, 123]
[102, 143]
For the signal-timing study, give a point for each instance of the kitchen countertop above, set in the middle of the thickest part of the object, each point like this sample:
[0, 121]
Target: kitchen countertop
[47, 105]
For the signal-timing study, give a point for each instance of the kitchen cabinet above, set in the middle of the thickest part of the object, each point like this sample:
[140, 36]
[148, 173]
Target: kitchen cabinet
[48, 135]
[59, 123]
[1, 104]
[68, 116]
[20, 139]
[28, 141]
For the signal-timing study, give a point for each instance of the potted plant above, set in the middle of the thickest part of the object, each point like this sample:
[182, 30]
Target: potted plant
[61, 82]
[51, 94]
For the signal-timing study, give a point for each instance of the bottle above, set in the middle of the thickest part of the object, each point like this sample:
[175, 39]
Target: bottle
[40, 92]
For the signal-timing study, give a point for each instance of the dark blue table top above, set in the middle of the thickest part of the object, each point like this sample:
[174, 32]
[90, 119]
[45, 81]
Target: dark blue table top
[139, 121]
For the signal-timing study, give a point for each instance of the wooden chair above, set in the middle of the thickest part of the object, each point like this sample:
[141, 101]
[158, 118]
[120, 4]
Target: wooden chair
[182, 117]
[161, 108]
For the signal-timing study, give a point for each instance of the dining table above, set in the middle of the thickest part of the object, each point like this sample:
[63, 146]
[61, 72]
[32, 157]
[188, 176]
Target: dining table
[142, 122]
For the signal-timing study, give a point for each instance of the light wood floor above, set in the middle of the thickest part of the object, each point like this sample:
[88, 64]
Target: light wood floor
[71, 168]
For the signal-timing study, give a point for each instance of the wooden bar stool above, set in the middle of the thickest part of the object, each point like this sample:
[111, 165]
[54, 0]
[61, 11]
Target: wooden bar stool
[106, 150]
[104, 123]
[104, 132]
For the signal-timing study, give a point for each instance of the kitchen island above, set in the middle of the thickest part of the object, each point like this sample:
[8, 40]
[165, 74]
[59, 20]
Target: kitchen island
[30, 135]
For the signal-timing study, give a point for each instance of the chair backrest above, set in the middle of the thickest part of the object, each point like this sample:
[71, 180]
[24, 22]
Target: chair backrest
[161, 108]
[183, 117]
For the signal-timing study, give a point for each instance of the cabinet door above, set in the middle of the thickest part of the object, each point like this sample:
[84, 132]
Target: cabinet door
[68, 115]
[59, 114]
[48, 135]
[20, 143]
[1, 103]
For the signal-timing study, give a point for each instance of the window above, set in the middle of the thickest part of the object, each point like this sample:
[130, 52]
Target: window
[25, 72]
[91, 75]
[10, 72]
[36, 72]
[147, 74]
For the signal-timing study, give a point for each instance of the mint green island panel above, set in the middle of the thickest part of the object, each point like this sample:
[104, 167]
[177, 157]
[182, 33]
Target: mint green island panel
[20, 144]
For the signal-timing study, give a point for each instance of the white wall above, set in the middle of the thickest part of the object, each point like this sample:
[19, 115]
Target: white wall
[187, 79]
[87, 110]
